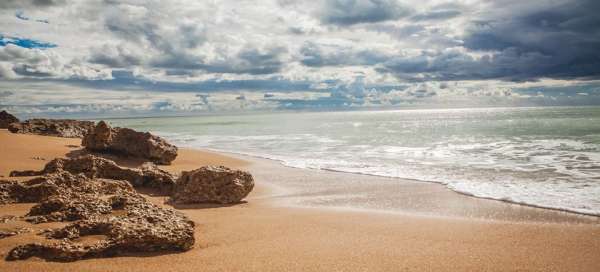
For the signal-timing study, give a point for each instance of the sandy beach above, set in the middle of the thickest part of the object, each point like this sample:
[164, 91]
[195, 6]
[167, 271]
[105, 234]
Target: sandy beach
[284, 226]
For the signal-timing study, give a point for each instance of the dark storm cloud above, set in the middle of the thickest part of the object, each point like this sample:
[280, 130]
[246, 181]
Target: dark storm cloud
[511, 65]
[557, 41]
[350, 12]
[561, 42]
[314, 55]
[12, 4]
[126, 80]
[247, 61]
[436, 15]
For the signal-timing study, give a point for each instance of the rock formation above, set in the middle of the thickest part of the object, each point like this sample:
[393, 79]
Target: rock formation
[127, 141]
[51, 127]
[217, 184]
[148, 176]
[108, 208]
[7, 119]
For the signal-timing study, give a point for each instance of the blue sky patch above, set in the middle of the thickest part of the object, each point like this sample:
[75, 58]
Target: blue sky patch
[24, 42]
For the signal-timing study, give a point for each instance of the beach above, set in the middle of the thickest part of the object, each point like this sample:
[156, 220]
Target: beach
[426, 227]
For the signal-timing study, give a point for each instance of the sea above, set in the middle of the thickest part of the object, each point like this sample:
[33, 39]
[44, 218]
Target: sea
[540, 156]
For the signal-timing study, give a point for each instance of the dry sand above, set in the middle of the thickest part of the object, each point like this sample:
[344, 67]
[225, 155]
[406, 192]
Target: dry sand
[263, 235]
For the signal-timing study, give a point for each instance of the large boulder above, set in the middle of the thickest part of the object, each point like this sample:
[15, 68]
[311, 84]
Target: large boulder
[120, 220]
[51, 127]
[127, 141]
[216, 184]
[147, 176]
[7, 119]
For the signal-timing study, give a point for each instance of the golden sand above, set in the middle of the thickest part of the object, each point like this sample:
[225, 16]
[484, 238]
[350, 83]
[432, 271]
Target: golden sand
[262, 236]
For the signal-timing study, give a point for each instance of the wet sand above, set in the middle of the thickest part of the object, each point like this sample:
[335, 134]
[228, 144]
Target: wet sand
[417, 226]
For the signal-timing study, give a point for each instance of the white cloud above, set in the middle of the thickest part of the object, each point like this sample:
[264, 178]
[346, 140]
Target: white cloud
[361, 53]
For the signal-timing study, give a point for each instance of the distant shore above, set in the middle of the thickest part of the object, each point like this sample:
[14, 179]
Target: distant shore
[267, 233]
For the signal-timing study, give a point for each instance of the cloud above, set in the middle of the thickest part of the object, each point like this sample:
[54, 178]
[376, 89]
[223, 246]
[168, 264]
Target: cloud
[14, 4]
[117, 56]
[22, 62]
[555, 41]
[350, 12]
[319, 55]
[436, 15]
[353, 53]
[246, 61]
[181, 48]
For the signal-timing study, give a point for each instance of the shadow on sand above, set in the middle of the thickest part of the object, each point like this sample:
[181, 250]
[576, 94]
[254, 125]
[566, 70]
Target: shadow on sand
[203, 205]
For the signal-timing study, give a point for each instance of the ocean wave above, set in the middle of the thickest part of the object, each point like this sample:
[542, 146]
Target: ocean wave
[557, 174]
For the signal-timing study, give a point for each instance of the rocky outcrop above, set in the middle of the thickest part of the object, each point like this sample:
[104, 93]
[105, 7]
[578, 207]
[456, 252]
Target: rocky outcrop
[7, 119]
[58, 184]
[51, 127]
[106, 208]
[216, 184]
[146, 228]
[147, 176]
[127, 141]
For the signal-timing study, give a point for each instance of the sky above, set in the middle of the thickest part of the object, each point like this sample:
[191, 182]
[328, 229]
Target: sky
[135, 57]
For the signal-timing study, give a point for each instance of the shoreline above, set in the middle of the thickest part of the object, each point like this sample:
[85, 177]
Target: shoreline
[251, 157]
[264, 235]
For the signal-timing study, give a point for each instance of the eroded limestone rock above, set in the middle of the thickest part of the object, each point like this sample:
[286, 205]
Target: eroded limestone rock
[127, 141]
[107, 208]
[52, 127]
[148, 175]
[217, 184]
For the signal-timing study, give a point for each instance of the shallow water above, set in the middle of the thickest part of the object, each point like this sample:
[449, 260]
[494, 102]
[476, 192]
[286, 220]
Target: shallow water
[547, 157]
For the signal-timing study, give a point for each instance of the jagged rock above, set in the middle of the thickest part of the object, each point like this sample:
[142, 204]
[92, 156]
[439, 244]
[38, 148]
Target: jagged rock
[51, 127]
[7, 119]
[59, 183]
[109, 208]
[123, 236]
[60, 208]
[127, 141]
[212, 184]
[148, 175]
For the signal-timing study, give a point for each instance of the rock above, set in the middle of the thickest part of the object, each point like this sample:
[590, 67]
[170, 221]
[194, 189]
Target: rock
[127, 141]
[4, 233]
[59, 183]
[217, 184]
[153, 231]
[111, 209]
[51, 127]
[7, 119]
[148, 175]
[8, 218]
